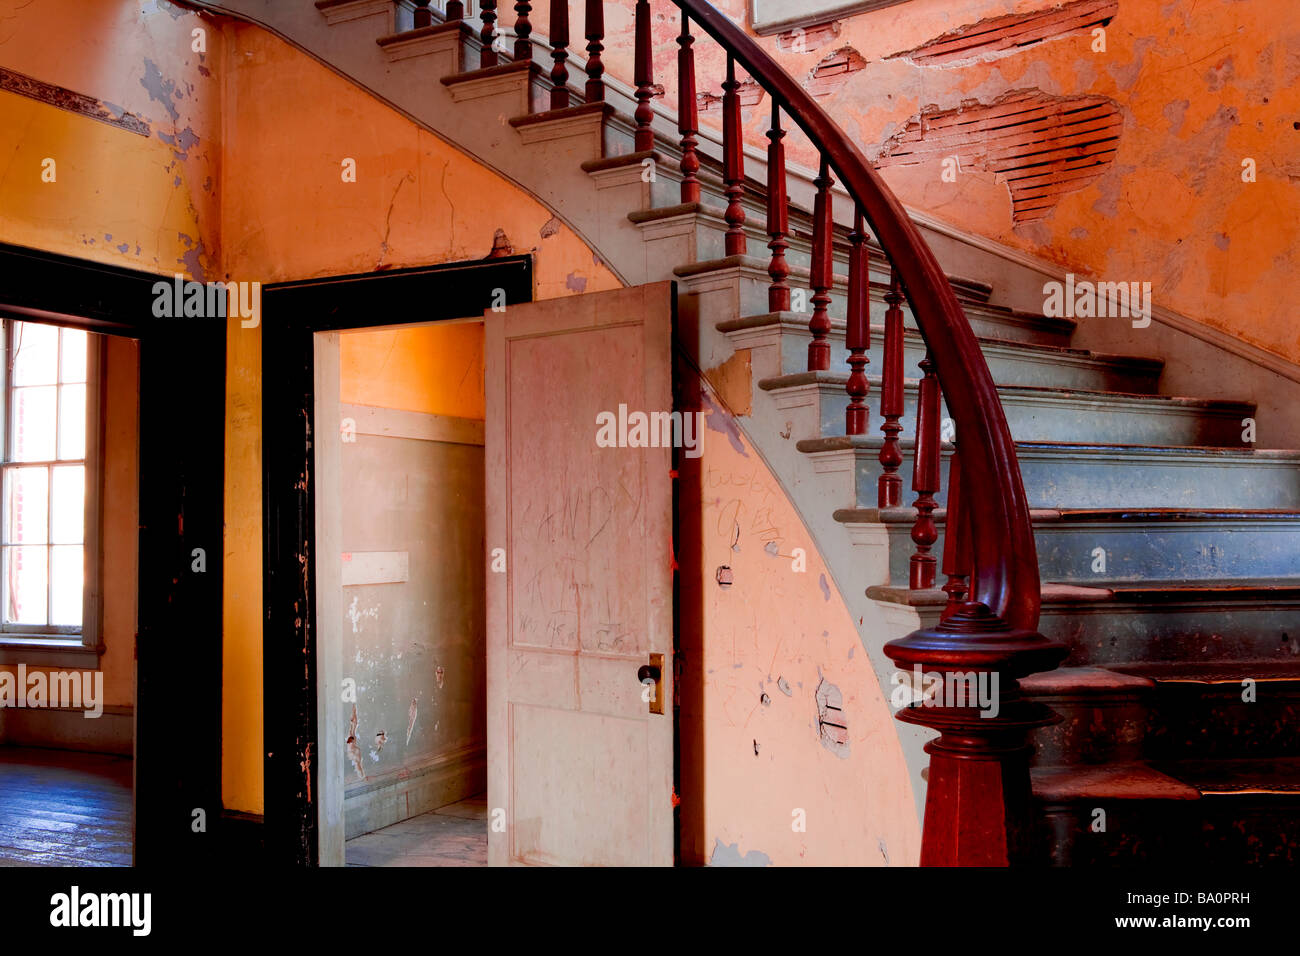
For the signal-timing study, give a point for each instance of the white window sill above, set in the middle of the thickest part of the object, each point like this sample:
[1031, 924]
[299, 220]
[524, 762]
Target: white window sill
[41, 650]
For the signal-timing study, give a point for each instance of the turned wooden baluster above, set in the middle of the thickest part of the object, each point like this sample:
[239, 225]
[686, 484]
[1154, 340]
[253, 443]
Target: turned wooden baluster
[857, 334]
[643, 77]
[889, 489]
[687, 117]
[595, 33]
[822, 277]
[523, 32]
[956, 542]
[488, 54]
[925, 477]
[423, 15]
[733, 162]
[560, 53]
[455, 10]
[778, 293]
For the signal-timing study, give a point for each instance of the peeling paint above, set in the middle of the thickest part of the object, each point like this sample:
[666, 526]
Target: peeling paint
[729, 855]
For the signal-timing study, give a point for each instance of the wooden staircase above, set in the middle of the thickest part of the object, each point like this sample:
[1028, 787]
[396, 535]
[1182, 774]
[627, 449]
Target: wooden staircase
[1166, 567]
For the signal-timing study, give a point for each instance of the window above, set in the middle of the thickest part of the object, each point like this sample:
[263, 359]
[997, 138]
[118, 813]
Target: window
[49, 502]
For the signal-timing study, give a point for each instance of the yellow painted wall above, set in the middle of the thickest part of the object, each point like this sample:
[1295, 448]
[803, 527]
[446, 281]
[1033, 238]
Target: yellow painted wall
[435, 369]
[287, 214]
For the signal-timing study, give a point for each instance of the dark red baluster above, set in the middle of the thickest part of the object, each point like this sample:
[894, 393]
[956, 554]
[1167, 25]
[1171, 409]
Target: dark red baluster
[523, 32]
[488, 54]
[925, 478]
[778, 293]
[455, 10]
[889, 489]
[560, 53]
[644, 77]
[733, 162]
[819, 350]
[857, 334]
[595, 92]
[956, 543]
[687, 119]
[423, 15]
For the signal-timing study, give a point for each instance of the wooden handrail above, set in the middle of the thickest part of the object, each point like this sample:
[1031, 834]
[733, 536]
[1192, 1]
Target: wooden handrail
[1005, 573]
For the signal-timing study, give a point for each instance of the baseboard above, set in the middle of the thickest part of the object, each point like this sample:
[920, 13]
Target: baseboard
[57, 728]
[242, 835]
[434, 782]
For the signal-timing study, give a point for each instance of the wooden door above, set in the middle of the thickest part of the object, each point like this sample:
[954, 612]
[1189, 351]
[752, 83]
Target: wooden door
[580, 770]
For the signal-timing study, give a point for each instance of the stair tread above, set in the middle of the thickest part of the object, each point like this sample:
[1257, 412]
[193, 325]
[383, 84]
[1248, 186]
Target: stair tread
[799, 320]
[1125, 781]
[1210, 673]
[802, 379]
[1083, 681]
[1137, 592]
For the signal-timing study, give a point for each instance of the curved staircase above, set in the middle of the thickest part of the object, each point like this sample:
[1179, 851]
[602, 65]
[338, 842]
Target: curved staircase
[1167, 549]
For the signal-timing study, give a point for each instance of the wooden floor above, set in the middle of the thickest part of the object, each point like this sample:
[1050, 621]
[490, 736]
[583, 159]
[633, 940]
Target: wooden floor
[61, 808]
[454, 835]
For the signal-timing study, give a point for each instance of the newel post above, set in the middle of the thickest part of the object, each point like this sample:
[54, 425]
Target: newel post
[977, 805]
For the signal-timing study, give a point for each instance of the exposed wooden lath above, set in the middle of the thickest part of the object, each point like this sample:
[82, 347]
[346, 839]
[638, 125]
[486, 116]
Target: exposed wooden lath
[1001, 36]
[1041, 146]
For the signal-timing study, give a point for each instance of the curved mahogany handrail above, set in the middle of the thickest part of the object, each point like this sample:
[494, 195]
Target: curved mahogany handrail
[1005, 572]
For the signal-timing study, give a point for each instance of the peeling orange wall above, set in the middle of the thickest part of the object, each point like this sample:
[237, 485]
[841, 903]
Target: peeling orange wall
[758, 785]
[1201, 86]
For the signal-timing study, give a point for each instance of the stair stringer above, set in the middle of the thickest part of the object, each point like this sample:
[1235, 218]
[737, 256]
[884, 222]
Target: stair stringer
[857, 556]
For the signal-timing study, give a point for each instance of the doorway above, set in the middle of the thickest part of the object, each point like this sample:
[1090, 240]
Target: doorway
[400, 587]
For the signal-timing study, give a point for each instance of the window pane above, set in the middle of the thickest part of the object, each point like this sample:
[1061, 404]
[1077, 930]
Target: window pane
[36, 354]
[33, 423]
[66, 576]
[26, 502]
[74, 356]
[68, 501]
[26, 586]
[72, 421]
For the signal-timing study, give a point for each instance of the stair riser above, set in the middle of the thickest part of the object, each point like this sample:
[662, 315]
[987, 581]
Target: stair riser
[1007, 366]
[818, 412]
[1118, 632]
[1094, 729]
[1192, 551]
[1189, 721]
[1057, 480]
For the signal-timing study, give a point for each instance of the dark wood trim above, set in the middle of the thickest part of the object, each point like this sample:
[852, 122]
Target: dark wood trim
[291, 314]
[182, 468]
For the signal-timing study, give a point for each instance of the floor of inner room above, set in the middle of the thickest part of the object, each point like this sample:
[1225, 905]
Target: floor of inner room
[64, 808]
[454, 835]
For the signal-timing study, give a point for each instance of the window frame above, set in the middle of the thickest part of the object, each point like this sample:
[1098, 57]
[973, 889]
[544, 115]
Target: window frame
[67, 643]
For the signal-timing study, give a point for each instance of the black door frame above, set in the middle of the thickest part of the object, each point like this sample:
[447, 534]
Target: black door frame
[182, 467]
[292, 313]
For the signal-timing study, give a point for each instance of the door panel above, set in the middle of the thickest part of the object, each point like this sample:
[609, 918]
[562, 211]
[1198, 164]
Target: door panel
[579, 771]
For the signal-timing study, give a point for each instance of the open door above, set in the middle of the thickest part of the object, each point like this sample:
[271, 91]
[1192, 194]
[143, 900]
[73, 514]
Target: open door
[579, 583]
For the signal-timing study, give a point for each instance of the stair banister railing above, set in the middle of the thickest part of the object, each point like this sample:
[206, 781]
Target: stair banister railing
[977, 800]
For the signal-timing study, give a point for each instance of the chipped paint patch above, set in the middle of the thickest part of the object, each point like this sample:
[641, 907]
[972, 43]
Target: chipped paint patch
[729, 855]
